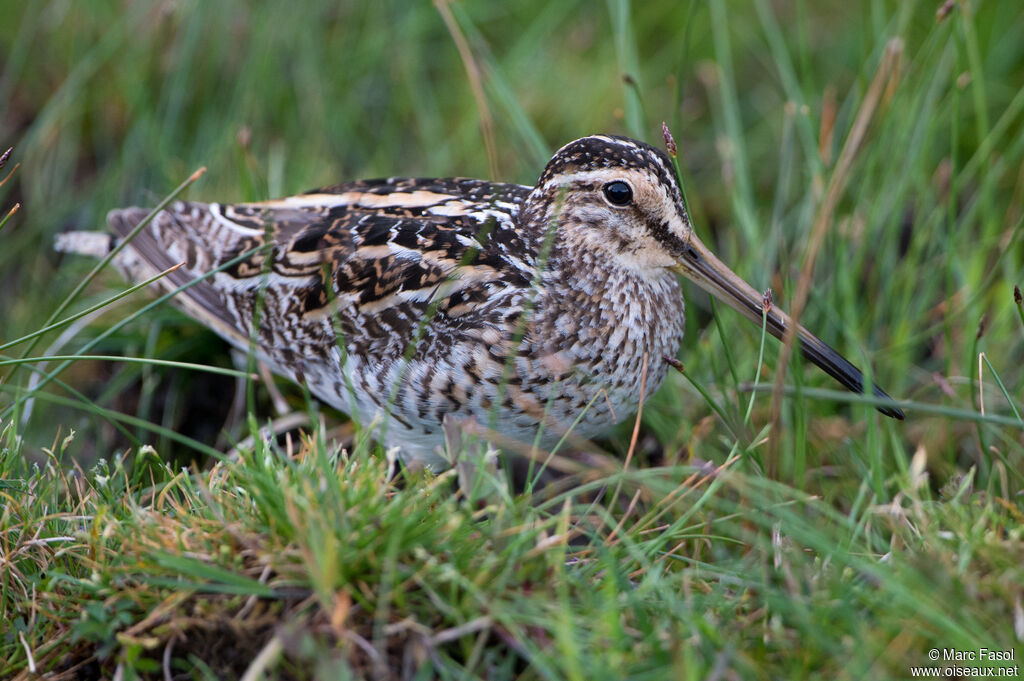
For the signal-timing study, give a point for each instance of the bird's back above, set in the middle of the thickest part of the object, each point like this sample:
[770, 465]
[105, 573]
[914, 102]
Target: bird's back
[340, 286]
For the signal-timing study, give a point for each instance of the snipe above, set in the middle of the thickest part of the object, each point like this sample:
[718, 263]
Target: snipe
[523, 307]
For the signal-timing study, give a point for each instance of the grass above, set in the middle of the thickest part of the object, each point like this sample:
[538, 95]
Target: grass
[805, 537]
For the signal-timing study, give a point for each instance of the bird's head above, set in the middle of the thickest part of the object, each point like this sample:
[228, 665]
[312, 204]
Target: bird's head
[616, 197]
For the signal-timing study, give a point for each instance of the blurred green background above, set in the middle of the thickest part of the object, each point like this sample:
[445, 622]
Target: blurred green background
[115, 103]
[869, 542]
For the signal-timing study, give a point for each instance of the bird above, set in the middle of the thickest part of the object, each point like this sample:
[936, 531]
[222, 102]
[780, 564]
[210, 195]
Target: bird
[536, 310]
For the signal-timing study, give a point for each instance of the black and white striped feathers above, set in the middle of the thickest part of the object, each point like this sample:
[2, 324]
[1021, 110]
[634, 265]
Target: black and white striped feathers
[409, 300]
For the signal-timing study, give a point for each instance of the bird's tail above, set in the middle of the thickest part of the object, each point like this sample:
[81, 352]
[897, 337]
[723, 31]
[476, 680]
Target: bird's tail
[168, 240]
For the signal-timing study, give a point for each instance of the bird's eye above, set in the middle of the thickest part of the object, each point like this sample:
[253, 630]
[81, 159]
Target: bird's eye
[618, 193]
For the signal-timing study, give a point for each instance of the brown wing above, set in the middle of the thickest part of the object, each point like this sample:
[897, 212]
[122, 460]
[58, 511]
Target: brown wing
[376, 253]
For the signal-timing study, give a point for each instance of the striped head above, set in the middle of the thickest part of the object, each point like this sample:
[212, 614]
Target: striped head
[615, 197]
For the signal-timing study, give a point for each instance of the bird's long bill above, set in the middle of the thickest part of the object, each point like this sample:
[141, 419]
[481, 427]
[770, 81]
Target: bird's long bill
[702, 267]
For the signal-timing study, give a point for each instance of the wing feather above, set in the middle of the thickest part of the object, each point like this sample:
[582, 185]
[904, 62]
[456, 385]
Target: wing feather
[372, 255]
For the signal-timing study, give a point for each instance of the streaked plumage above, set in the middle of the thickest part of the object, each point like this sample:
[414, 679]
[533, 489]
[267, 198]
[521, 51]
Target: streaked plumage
[421, 298]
